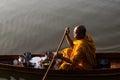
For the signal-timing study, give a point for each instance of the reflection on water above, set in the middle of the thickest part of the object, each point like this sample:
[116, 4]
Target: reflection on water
[12, 78]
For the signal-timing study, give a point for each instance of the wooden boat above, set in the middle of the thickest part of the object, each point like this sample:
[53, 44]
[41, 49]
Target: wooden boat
[108, 69]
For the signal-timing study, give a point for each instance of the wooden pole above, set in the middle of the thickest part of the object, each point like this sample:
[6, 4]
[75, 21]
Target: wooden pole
[63, 37]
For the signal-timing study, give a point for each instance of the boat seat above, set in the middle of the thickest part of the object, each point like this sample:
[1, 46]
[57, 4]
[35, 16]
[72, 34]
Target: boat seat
[103, 63]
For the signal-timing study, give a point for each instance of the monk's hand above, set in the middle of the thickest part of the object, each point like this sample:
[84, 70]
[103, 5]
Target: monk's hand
[57, 55]
[67, 30]
[54, 54]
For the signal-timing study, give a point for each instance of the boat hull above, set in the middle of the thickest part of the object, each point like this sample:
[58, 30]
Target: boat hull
[11, 72]
[28, 74]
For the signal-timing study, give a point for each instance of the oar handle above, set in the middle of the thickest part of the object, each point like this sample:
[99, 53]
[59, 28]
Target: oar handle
[63, 37]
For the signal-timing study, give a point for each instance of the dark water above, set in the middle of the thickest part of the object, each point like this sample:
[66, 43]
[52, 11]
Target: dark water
[38, 25]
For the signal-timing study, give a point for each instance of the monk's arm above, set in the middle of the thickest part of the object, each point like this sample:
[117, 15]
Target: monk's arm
[69, 40]
[66, 59]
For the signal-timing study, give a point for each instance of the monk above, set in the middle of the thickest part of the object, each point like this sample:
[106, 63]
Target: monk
[81, 53]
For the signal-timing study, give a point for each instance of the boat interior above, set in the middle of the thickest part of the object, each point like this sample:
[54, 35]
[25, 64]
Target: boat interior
[104, 60]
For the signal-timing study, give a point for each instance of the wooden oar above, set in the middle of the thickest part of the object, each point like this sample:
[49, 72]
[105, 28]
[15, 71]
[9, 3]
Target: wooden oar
[63, 37]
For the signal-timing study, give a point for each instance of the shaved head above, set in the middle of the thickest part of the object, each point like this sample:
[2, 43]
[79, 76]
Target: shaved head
[79, 32]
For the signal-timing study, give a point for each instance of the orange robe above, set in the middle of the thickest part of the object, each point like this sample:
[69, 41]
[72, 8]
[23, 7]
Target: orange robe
[82, 55]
